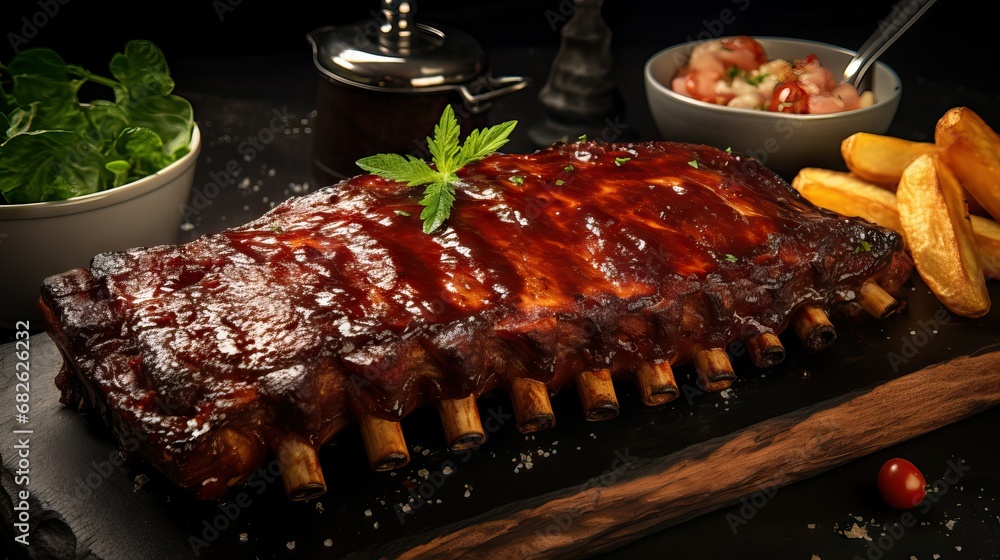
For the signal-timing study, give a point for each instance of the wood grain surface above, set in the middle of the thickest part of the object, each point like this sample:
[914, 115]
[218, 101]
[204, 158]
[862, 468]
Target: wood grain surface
[718, 472]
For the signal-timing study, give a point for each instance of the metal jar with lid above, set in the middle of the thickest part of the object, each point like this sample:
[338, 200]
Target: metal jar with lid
[384, 84]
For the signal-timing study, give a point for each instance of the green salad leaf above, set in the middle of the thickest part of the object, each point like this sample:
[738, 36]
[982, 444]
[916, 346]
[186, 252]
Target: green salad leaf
[53, 146]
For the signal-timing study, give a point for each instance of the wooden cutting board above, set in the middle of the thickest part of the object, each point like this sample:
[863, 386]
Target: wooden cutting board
[573, 491]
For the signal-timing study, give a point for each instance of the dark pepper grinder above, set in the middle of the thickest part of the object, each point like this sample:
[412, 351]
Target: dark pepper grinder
[581, 96]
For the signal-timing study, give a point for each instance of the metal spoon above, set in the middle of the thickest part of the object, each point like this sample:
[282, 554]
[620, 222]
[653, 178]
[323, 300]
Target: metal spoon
[900, 18]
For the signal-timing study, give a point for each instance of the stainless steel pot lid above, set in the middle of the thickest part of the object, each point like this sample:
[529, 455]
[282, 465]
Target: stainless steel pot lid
[397, 53]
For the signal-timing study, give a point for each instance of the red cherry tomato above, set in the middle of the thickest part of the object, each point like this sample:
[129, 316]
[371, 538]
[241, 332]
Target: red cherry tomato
[751, 55]
[788, 97]
[901, 484]
[701, 85]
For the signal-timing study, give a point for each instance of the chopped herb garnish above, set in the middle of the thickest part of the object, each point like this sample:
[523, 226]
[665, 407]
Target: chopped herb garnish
[756, 80]
[568, 169]
[729, 150]
[403, 213]
[517, 179]
[448, 157]
[693, 163]
[582, 138]
[730, 258]
[559, 181]
[620, 160]
[863, 246]
[732, 72]
[277, 229]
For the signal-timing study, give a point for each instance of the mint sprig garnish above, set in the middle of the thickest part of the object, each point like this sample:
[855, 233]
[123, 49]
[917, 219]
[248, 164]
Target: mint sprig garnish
[448, 156]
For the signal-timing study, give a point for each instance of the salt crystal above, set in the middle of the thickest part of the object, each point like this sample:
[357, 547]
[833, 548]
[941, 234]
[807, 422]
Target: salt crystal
[290, 545]
[244, 537]
[328, 542]
[447, 471]
[811, 525]
[368, 513]
[950, 524]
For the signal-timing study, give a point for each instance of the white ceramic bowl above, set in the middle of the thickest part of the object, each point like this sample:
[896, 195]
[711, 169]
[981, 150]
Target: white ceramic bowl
[783, 142]
[40, 239]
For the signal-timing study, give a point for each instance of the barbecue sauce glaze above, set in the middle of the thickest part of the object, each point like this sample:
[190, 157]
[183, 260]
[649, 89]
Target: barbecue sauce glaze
[578, 257]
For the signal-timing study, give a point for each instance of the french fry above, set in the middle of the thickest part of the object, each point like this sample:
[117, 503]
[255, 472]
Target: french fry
[938, 232]
[881, 159]
[972, 149]
[849, 195]
[846, 194]
[987, 234]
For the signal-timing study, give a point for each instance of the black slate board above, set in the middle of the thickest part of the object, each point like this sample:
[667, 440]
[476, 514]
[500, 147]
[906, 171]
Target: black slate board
[84, 503]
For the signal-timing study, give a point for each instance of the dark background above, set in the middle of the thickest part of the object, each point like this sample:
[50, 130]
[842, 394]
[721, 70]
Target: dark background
[947, 58]
[956, 33]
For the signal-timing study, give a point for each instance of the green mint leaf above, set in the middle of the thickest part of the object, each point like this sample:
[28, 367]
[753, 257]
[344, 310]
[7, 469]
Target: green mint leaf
[67, 148]
[143, 150]
[448, 157]
[437, 202]
[18, 122]
[410, 170]
[50, 165]
[730, 258]
[693, 163]
[568, 169]
[107, 121]
[120, 169]
[483, 142]
[41, 82]
[444, 145]
[169, 116]
[142, 71]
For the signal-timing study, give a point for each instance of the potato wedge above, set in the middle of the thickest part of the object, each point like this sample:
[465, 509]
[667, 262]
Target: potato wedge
[938, 231]
[881, 159]
[846, 194]
[849, 195]
[972, 150]
[987, 233]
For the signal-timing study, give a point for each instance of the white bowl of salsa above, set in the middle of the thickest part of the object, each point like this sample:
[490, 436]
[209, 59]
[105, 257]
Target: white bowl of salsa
[783, 141]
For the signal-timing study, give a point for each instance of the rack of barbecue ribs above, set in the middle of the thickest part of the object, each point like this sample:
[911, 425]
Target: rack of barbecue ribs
[580, 266]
